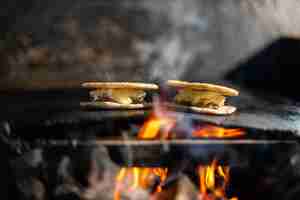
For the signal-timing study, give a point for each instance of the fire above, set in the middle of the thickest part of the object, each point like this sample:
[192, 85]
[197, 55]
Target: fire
[210, 131]
[213, 178]
[159, 124]
[157, 127]
[139, 177]
[213, 181]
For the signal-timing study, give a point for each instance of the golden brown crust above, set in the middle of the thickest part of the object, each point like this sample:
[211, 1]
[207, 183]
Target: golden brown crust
[112, 105]
[203, 86]
[223, 110]
[120, 85]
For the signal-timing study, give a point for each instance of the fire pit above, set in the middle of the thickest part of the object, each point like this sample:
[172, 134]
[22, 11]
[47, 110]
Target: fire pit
[154, 150]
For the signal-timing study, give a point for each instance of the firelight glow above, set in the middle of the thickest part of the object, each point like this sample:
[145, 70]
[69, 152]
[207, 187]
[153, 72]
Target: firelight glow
[213, 180]
[139, 178]
[156, 127]
[211, 131]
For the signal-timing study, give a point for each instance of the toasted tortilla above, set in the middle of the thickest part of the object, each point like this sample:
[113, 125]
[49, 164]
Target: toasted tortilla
[112, 105]
[120, 85]
[203, 87]
[223, 110]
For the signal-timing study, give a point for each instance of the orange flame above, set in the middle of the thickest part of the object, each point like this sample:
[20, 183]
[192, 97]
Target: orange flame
[140, 177]
[157, 127]
[215, 178]
[210, 131]
[213, 181]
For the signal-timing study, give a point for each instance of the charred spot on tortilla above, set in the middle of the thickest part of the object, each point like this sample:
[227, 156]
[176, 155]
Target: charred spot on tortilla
[117, 95]
[202, 97]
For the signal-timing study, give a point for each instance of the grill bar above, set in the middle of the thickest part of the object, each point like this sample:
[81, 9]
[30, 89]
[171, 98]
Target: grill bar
[160, 142]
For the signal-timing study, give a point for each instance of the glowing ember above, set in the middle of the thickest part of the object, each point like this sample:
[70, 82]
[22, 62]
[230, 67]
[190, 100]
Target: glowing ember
[210, 131]
[213, 181]
[138, 178]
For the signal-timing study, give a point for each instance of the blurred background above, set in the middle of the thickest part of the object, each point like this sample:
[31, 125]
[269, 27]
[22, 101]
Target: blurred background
[60, 43]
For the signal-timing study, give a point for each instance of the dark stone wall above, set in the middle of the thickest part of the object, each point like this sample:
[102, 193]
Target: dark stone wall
[62, 43]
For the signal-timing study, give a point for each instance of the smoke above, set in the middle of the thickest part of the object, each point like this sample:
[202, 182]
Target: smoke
[281, 16]
[66, 42]
[172, 51]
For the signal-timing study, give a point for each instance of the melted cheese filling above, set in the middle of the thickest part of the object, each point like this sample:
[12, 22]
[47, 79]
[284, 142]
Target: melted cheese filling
[122, 96]
[200, 98]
